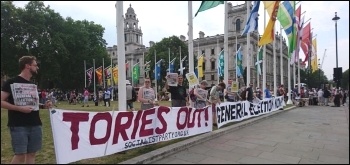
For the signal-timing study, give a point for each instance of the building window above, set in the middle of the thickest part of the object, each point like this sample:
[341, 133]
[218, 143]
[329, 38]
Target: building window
[125, 36]
[203, 51]
[113, 54]
[203, 66]
[238, 45]
[127, 25]
[222, 49]
[212, 77]
[137, 38]
[134, 26]
[137, 60]
[212, 51]
[212, 65]
[238, 25]
[125, 48]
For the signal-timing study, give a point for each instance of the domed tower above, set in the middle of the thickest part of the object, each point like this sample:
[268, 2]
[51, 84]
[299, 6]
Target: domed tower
[132, 32]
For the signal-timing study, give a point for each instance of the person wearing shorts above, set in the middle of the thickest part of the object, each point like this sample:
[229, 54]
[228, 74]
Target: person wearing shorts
[86, 98]
[23, 121]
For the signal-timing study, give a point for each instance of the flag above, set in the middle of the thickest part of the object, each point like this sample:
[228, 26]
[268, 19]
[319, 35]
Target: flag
[286, 17]
[268, 6]
[200, 66]
[157, 71]
[108, 72]
[115, 74]
[205, 5]
[299, 23]
[221, 64]
[259, 60]
[196, 71]
[172, 67]
[305, 39]
[314, 61]
[269, 32]
[89, 74]
[147, 69]
[239, 69]
[252, 23]
[99, 75]
[136, 73]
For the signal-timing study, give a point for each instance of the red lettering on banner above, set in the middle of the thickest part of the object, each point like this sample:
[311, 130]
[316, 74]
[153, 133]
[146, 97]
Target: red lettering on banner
[178, 124]
[144, 122]
[190, 124]
[120, 128]
[136, 124]
[98, 117]
[161, 119]
[206, 116]
[75, 119]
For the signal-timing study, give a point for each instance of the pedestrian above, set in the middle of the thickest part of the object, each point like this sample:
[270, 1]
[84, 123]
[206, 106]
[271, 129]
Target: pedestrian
[249, 94]
[267, 92]
[107, 97]
[23, 121]
[146, 95]
[179, 96]
[326, 95]
[86, 97]
[214, 98]
[320, 97]
[130, 95]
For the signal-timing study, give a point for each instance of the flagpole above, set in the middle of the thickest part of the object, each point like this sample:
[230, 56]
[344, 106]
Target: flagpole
[226, 44]
[294, 74]
[121, 58]
[112, 83]
[248, 46]
[274, 63]
[94, 73]
[85, 72]
[169, 59]
[218, 54]
[281, 58]
[257, 71]
[103, 73]
[236, 57]
[181, 70]
[155, 74]
[190, 38]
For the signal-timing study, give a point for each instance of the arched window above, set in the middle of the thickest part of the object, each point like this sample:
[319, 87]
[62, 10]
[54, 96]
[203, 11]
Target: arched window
[238, 25]
[127, 25]
[134, 26]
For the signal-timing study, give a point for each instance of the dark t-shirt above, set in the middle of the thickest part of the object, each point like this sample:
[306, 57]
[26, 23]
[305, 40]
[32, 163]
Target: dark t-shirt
[16, 118]
[250, 93]
[178, 93]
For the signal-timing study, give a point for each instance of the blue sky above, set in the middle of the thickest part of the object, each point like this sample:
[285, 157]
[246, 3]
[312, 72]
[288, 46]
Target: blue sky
[164, 19]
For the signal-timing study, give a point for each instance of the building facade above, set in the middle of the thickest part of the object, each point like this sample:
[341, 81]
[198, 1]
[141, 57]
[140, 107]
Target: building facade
[210, 47]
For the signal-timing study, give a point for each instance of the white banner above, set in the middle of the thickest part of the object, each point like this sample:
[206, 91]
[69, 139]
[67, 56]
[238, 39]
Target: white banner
[229, 112]
[81, 135]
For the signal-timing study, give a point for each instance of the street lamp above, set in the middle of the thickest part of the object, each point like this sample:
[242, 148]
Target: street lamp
[319, 74]
[335, 19]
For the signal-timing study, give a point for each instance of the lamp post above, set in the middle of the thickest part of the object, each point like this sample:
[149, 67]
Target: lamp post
[335, 19]
[319, 74]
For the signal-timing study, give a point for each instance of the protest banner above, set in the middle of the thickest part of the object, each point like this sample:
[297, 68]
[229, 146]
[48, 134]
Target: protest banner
[172, 79]
[25, 94]
[192, 79]
[80, 135]
[229, 112]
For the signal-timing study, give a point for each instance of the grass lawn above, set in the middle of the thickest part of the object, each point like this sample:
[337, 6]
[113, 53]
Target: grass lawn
[47, 155]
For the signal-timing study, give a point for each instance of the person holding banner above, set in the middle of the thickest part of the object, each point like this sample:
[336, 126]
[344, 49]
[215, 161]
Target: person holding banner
[214, 98]
[201, 95]
[179, 97]
[146, 95]
[23, 121]
[229, 93]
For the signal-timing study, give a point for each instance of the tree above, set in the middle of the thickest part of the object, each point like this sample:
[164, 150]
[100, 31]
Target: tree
[313, 79]
[162, 52]
[345, 80]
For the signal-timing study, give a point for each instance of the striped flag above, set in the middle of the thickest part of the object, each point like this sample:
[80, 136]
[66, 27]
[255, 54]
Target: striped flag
[205, 5]
[221, 64]
[285, 16]
[157, 71]
[89, 74]
[252, 23]
[269, 32]
[239, 69]
[259, 60]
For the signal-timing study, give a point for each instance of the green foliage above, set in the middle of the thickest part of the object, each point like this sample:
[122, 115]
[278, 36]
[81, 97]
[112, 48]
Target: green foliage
[313, 79]
[345, 80]
[60, 45]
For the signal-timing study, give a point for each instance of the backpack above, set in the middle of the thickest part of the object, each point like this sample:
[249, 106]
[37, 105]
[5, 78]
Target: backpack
[133, 95]
[192, 95]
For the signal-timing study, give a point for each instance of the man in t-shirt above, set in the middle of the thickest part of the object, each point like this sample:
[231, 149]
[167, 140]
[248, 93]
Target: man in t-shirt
[179, 97]
[23, 121]
[130, 95]
[107, 97]
[249, 93]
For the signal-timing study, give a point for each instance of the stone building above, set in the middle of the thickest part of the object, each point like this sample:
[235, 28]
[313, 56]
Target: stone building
[210, 46]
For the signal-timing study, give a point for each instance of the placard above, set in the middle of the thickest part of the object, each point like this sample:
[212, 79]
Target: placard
[192, 79]
[172, 79]
[234, 86]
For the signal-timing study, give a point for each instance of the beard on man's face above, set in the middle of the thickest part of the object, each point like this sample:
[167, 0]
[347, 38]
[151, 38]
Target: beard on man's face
[34, 73]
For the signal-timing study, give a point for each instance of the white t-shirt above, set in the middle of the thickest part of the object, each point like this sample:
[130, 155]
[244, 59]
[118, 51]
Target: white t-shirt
[320, 93]
[148, 93]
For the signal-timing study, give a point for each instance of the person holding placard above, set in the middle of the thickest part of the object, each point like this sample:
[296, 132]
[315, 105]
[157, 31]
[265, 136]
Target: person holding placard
[201, 95]
[179, 96]
[146, 95]
[231, 91]
[23, 118]
[214, 98]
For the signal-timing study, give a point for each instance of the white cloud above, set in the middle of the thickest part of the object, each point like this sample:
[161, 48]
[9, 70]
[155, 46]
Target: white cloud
[163, 19]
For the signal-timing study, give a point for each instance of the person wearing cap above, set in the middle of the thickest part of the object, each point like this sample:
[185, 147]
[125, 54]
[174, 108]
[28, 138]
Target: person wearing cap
[130, 95]
[147, 95]
[179, 97]
[201, 94]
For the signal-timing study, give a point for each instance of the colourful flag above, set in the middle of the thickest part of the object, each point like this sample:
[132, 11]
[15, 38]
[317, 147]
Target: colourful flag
[89, 74]
[269, 32]
[286, 17]
[108, 72]
[299, 32]
[147, 69]
[314, 60]
[252, 23]
[305, 39]
[221, 64]
[205, 5]
[115, 74]
[136, 73]
[200, 66]
[172, 67]
[157, 71]
[196, 71]
[239, 69]
[99, 75]
[259, 60]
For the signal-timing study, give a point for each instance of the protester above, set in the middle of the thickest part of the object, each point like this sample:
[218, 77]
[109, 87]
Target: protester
[201, 95]
[229, 95]
[107, 97]
[249, 94]
[146, 95]
[179, 97]
[267, 92]
[23, 121]
[130, 95]
[86, 98]
[214, 98]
